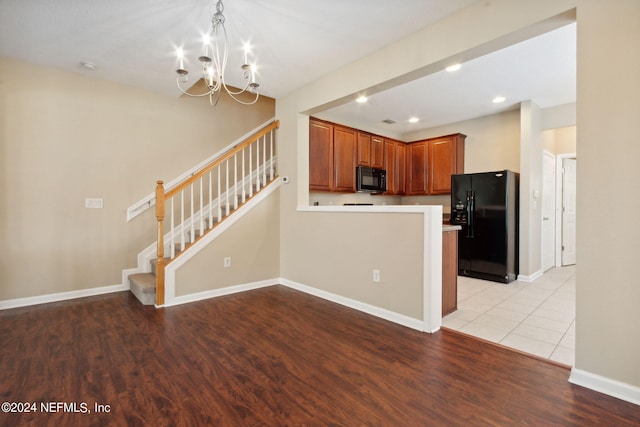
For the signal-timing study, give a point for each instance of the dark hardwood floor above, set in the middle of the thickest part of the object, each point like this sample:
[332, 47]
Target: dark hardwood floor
[272, 357]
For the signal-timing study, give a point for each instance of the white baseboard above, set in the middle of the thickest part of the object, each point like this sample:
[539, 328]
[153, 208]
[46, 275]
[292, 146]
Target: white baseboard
[61, 296]
[357, 305]
[382, 313]
[617, 389]
[220, 292]
[538, 274]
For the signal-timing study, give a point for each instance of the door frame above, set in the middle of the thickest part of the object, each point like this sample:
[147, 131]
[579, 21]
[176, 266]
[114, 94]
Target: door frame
[559, 159]
[554, 216]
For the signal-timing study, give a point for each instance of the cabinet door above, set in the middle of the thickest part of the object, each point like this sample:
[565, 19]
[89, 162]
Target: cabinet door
[364, 149]
[417, 172]
[377, 152]
[320, 156]
[401, 162]
[394, 160]
[344, 159]
[390, 166]
[446, 157]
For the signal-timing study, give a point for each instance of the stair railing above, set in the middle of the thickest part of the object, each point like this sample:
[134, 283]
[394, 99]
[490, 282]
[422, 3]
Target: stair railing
[225, 183]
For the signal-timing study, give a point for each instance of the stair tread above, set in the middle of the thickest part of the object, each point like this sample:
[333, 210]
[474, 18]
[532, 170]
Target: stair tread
[145, 281]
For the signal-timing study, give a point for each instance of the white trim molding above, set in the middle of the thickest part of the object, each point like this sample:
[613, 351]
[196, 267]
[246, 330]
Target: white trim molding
[536, 275]
[382, 313]
[61, 296]
[214, 293]
[614, 388]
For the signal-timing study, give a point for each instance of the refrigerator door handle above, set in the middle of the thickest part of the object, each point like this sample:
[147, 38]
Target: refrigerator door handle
[470, 208]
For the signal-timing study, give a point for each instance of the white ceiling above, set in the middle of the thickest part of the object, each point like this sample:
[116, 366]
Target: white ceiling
[294, 42]
[541, 69]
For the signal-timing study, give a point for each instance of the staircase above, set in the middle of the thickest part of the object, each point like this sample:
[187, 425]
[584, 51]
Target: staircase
[201, 202]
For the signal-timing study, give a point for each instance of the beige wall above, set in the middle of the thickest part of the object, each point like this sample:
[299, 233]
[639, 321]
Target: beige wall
[337, 251]
[492, 143]
[561, 140]
[608, 318]
[253, 243]
[65, 137]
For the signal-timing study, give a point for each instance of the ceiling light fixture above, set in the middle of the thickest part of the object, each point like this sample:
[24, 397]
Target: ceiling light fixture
[361, 99]
[454, 67]
[499, 99]
[214, 63]
[414, 120]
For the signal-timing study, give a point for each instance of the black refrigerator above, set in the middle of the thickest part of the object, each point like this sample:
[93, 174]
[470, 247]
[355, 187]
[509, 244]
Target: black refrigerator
[486, 206]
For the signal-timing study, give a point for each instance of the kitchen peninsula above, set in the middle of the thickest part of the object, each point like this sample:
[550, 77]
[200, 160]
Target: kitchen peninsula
[408, 289]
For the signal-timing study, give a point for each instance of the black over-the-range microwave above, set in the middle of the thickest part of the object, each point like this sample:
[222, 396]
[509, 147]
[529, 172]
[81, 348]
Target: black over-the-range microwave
[371, 179]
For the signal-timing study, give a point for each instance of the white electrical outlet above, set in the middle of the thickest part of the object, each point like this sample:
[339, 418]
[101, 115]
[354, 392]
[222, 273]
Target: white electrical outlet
[376, 275]
[227, 262]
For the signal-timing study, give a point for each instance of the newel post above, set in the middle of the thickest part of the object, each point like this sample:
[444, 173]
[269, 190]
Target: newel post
[160, 265]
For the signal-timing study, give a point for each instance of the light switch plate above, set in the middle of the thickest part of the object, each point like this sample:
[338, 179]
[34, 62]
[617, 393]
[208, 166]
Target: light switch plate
[93, 203]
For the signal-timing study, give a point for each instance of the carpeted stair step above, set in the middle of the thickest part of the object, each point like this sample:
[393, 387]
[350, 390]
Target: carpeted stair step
[143, 286]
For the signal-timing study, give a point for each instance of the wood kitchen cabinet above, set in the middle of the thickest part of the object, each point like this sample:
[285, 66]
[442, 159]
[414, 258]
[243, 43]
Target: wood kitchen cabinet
[417, 172]
[320, 156]
[370, 150]
[446, 158]
[332, 157]
[431, 162]
[377, 152]
[449, 272]
[364, 149]
[394, 164]
[344, 159]
[415, 169]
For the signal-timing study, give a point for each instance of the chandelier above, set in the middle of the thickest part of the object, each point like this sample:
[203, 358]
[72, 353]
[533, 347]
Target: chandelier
[214, 64]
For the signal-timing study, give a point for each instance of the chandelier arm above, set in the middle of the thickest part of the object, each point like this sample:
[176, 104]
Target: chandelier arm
[230, 92]
[245, 102]
[187, 93]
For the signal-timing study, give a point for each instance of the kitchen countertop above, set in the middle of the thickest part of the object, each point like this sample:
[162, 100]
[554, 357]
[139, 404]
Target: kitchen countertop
[449, 227]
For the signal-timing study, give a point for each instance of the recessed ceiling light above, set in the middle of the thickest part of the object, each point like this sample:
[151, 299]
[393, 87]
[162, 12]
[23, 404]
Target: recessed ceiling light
[414, 120]
[499, 99]
[361, 99]
[454, 67]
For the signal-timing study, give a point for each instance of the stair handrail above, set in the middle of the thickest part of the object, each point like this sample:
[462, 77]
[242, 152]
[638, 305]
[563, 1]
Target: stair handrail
[148, 201]
[227, 155]
[161, 196]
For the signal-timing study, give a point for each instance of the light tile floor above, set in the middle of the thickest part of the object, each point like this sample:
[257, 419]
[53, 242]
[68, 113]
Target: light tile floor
[536, 317]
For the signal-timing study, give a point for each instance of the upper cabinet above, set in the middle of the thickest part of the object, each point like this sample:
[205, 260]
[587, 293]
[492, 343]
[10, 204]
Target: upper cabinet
[431, 162]
[332, 157]
[377, 152]
[370, 150]
[320, 156]
[394, 164]
[418, 168]
[417, 172]
[446, 158]
[344, 159]
[364, 149]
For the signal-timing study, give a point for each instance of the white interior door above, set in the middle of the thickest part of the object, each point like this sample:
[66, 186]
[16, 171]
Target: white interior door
[548, 210]
[569, 212]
